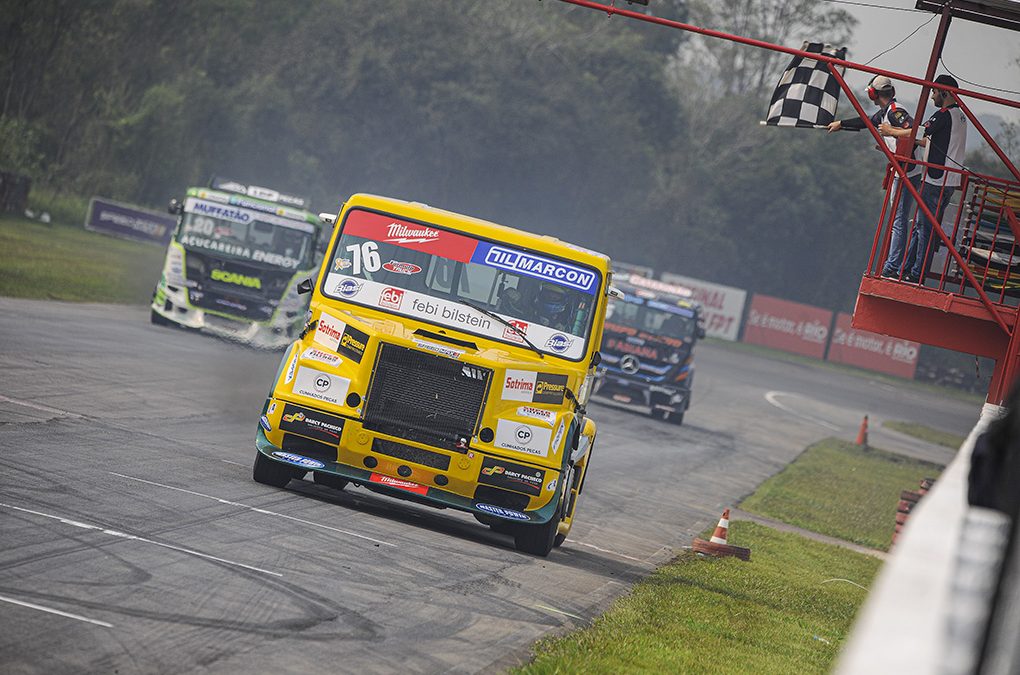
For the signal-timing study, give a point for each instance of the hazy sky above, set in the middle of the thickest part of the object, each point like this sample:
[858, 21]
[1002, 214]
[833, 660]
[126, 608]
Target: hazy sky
[982, 54]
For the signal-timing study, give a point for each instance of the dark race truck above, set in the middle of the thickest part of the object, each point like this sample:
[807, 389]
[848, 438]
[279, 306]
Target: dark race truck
[648, 347]
[234, 262]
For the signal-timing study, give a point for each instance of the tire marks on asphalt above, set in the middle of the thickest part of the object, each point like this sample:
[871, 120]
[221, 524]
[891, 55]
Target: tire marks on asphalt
[264, 512]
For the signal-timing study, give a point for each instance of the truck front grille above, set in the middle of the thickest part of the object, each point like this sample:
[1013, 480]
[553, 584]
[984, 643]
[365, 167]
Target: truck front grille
[425, 398]
[410, 453]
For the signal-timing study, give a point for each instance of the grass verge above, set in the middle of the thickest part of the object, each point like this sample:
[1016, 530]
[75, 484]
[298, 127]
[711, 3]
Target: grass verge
[787, 611]
[839, 489]
[928, 434]
[58, 262]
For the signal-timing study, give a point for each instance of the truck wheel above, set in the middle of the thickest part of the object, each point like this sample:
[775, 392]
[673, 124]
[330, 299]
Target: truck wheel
[329, 480]
[536, 539]
[676, 418]
[158, 319]
[268, 472]
[495, 524]
[558, 541]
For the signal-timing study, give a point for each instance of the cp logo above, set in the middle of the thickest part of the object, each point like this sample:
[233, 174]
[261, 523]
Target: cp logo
[523, 434]
[322, 382]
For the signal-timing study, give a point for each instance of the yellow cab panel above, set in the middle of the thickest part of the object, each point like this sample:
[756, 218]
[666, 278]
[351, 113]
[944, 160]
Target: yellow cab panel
[446, 360]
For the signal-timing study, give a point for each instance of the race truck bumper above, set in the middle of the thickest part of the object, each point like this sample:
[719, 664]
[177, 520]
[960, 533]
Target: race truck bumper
[472, 480]
[652, 397]
[171, 303]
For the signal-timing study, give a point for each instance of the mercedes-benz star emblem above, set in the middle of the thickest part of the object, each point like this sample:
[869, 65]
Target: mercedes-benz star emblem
[630, 364]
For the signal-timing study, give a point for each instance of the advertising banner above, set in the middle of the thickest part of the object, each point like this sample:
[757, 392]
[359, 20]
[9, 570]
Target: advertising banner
[129, 222]
[722, 306]
[788, 326]
[872, 351]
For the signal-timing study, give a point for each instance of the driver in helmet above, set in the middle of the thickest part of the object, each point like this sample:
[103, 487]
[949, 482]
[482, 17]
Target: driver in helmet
[551, 306]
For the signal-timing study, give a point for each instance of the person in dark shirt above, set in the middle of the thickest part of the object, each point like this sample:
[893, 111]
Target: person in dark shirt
[883, 94]
[945, 144]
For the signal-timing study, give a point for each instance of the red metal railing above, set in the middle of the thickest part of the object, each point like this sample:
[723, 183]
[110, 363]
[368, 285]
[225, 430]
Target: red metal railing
[937, 234]
[982, 227]
[959, 274]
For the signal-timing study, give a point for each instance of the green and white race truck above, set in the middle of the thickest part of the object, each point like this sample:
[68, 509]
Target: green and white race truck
[234, 263]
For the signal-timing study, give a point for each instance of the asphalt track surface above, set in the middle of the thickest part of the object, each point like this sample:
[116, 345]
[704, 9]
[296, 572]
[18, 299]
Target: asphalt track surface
[132, 538]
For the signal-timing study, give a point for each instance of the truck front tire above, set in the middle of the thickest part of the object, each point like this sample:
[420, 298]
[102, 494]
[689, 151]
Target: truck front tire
[329, 480]
[536, 539]
[268, 472]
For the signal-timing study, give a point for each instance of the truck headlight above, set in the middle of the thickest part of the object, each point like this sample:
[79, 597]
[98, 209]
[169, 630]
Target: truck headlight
[175, 266]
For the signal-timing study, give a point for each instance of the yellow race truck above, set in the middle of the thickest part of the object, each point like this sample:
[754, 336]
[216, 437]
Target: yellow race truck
[446, 360]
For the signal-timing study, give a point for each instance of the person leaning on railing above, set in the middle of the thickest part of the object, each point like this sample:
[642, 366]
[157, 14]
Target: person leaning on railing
[945, 143]
[883, 94]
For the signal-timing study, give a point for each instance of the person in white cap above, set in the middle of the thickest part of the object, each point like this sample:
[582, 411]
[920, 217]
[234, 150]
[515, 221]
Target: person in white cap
[883, 94]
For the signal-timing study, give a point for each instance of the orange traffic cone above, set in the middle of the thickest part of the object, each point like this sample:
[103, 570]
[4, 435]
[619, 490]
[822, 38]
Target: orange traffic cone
[862, 435]
[717, 546]
[722, 530]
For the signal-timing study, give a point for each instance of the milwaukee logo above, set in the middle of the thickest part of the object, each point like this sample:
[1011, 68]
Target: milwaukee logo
[404, 234]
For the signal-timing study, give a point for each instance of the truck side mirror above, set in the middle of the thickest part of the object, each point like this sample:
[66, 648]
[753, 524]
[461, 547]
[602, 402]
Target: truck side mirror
[305, 286]
[701, 332]
[596, 359]
[175, 207]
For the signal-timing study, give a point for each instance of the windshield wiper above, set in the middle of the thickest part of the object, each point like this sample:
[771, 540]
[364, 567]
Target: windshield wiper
[503, 321]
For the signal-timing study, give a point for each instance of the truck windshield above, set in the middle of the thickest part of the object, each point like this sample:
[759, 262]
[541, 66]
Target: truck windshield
[654, 316]
[425, 272]
[245, 235]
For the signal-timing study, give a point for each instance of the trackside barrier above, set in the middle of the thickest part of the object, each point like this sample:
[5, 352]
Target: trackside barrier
[924, 611]
[14, 189]
[797, 328]
[129, 222]
[722, 306]
[872, 351]
[788, 326]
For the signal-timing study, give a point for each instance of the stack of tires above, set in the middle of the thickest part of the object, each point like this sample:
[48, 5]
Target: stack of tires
[909, 499]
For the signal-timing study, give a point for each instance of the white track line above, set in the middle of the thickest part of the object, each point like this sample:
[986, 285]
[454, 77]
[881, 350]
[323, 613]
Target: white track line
[558, 611]
[606, 550]
[55, 611]
[772, 397]
[125, 535]
[44, 408]
[257, 510]
[227, 461]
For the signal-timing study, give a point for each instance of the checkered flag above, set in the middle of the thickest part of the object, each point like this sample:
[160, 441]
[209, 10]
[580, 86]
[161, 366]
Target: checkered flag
[807, 93]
